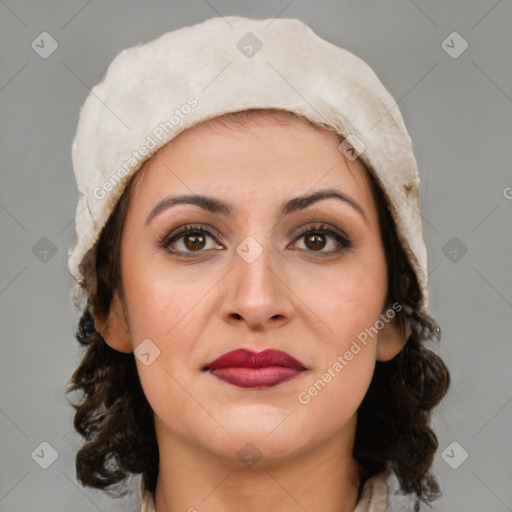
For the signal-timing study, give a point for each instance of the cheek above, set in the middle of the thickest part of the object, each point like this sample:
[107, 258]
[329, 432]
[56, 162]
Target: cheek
[348, 305]
[155, 309]
[171, 310]
[340, 379]
[160, 302]
[348, 302]
[172, 316]
[334, 396]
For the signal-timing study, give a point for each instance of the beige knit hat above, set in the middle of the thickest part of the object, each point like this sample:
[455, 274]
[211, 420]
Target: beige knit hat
[152, 92]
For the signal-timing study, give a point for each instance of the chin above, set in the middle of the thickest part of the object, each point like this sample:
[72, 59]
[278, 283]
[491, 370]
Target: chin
[256, 441]
[256, 448]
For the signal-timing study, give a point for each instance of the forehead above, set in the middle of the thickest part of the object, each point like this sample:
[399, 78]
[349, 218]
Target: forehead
[253, 157]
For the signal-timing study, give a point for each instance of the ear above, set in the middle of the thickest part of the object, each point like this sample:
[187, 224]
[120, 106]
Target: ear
[391, 339]
[113, 327]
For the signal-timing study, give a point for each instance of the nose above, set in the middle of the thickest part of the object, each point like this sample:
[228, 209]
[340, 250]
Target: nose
[257, 294]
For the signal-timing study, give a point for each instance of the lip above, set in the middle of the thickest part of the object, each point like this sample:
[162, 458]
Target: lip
[248, 369]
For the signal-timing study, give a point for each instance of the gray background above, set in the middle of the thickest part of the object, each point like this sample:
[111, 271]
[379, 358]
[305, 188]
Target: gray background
[458, 112]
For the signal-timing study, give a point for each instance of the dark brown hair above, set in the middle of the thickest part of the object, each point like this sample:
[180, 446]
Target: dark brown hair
[116, 420]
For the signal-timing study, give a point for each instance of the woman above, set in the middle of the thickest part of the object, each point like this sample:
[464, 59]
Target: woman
[252, 276]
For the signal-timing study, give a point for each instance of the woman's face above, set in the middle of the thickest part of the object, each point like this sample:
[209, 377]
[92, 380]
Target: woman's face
[253, 280]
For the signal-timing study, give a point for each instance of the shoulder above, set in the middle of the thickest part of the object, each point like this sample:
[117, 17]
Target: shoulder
[145, 499]
[374, 494]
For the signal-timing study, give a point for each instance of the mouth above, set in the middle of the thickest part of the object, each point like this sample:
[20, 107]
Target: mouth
[248, 369]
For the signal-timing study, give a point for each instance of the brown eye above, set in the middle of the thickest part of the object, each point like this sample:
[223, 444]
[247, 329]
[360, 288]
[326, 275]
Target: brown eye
[188, 240]
[194, 241]
[318, 238]
[315, 241]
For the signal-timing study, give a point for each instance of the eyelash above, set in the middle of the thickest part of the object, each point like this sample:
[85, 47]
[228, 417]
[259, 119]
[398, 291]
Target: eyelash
[170, 238]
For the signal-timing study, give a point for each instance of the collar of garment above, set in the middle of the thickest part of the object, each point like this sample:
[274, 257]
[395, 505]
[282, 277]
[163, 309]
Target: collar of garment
[374, 496]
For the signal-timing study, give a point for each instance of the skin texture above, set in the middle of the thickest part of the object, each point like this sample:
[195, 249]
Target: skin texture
[290, 298]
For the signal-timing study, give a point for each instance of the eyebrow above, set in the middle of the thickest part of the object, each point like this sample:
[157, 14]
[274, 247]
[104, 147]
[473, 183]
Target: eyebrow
[217, 206]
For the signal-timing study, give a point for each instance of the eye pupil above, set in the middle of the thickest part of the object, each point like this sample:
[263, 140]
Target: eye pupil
[194, 237]
[318, 241]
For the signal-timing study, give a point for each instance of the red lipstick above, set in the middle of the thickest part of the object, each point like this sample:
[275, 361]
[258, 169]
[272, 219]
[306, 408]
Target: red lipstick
[248, 369]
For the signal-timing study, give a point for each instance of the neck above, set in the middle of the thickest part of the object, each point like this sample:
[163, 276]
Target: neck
[326, 478]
